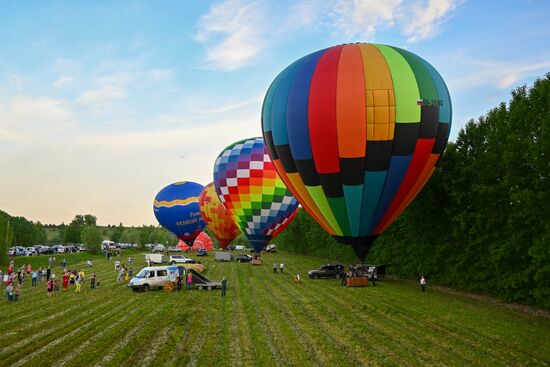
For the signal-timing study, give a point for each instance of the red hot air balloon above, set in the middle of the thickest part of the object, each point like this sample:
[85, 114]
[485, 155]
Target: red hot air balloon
[203, 241]
[217, 217]
[355, 131]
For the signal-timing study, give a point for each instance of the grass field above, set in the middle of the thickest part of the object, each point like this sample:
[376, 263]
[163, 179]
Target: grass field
[265, 320]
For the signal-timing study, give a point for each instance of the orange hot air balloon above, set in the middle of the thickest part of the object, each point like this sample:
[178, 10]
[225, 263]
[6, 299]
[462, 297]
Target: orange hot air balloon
[217, 217]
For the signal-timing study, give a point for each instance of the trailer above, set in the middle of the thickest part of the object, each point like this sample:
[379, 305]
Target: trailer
[223, 256]
[201, 282]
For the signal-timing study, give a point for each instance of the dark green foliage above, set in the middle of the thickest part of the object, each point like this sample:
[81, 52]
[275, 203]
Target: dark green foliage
[482, 222]
[91, 237]
[305, 236]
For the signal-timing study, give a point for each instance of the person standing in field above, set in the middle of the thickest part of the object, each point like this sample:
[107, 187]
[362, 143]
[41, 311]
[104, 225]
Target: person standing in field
[65, 280]
[77, 281]
[48, 272]
[189, 281]
[92, 281]
[178, 282]
[55, 286]
[50, 261]
[9, 292]
[224, 286]
[49, 286]
[282, 266]
[16, 292]
[274, 268]
[423, 283]
[29, 269]
[34, 277]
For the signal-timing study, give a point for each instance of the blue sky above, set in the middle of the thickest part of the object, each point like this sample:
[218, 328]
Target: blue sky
[103, 103]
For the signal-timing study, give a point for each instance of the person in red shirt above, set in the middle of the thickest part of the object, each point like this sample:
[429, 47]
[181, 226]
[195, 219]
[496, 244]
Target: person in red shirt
[65, 280]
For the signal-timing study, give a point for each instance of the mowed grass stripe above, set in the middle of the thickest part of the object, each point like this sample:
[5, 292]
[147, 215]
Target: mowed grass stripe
[436, 332]
[318, 345]
[54, 339]
[53, 328]
[352, 345]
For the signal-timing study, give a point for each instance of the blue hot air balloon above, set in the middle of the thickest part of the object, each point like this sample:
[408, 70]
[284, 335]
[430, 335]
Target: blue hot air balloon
[177, 209]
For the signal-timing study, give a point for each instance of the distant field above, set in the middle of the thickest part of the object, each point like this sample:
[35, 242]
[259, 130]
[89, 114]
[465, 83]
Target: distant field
[265, 320]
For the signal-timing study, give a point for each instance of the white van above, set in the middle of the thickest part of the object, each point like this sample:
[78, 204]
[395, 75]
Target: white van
[156, 258]
[108, 245]
[154, 277]
[240, 247]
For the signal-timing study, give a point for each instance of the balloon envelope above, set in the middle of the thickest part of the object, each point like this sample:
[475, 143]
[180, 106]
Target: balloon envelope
[203, 241]
[217, 217]
[248, 185]
[355, 131]
[176, 208]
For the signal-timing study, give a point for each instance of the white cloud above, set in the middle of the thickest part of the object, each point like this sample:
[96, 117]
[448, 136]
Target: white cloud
[22, 118]
[362, 18]
[424, 19]
[63, 81]
[232, 33]
[102, 97]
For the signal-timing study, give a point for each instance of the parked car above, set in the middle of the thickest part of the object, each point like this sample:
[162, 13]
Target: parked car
[81, 248]
[243, 258]
[202, 252]
[159, 248]
[327, 271]
[271, 248]
[46, 250]
[153, 277]
[180, 259]
[58, 249]
[231, 247]
[31, 251]
[240, 247]
[174, 249]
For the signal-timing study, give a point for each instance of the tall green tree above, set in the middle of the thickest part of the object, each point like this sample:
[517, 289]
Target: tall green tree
[91, 237]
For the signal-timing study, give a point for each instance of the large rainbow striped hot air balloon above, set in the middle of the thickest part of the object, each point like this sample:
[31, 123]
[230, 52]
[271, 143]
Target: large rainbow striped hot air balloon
[248, 185]
[217, 217]
[355, 131]
[176, 208]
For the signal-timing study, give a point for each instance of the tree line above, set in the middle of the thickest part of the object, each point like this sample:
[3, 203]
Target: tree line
[482, 222]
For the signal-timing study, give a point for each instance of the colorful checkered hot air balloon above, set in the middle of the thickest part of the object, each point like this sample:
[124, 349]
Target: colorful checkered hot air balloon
[217, 217]
[355, 131]
[176, 208]
[248, 185]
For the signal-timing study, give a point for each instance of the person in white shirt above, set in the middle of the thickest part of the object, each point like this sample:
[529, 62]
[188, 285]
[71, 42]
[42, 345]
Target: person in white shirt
[423, 283]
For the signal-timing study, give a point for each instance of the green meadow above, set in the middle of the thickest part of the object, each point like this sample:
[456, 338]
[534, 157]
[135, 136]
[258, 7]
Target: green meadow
[265, 320]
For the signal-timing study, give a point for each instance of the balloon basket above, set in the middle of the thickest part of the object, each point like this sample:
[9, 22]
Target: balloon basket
[257, 262]
[357, 281]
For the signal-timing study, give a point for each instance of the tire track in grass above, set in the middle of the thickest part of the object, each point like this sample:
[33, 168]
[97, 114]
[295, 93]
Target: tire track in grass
[407, 350]
[260, 347]
[86, 344]
[301, 331]
[77, 327]
[122, 353]
[45, 331]
[161, 338]
[102, 343]
[326, 320]
[445, 343]
[357, 331]
[241, 341]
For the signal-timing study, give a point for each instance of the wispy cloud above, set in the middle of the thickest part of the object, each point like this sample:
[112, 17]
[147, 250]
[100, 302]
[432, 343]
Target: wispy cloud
[22, 118]
[232, 32]
[63, 81]
[424, 19]
[102, 97]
